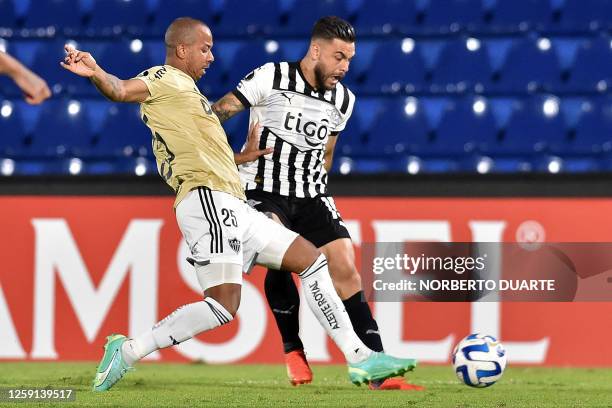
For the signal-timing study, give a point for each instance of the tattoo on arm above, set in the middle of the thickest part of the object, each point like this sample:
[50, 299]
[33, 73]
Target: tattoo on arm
[227, 107]
[110, 86]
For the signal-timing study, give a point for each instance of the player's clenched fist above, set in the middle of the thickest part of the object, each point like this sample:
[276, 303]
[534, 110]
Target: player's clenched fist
[79, 62]
[35, 89]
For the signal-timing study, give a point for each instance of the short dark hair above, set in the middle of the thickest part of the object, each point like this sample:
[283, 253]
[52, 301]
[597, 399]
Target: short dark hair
[331, 27]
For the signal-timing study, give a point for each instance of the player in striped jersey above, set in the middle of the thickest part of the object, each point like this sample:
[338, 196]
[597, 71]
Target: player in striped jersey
[224, 235]
[301, 108]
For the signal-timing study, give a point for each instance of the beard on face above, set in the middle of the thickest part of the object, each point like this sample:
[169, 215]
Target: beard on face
[319, 78]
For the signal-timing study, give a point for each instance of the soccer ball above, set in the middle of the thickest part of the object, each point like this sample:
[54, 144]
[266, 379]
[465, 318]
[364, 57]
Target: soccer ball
[479, 360]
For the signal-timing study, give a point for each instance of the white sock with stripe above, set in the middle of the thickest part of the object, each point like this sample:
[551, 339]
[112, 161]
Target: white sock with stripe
[180, 325]
[329, 310]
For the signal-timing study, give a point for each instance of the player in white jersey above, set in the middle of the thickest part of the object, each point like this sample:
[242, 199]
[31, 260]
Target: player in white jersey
[225, 235]
[301, 107]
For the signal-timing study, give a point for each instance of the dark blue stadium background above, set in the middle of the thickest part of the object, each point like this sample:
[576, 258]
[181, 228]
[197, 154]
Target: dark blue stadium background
[443, 86]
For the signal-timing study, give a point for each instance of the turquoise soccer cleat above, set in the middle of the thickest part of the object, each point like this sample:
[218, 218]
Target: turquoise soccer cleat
[379, 366]
[112, 367]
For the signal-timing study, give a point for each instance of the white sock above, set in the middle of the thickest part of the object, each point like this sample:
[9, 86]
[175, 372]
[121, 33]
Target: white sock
[329, 310]
[138, 347]
[180, 325]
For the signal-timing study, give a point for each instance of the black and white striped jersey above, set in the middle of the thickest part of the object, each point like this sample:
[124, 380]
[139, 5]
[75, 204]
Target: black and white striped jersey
[297, 122]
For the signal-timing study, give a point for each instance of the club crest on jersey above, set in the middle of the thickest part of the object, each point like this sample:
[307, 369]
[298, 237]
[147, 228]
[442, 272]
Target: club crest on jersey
[234, 243]
[334, 116]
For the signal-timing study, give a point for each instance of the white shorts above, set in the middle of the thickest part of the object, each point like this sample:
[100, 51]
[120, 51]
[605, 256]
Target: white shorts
[222, 229]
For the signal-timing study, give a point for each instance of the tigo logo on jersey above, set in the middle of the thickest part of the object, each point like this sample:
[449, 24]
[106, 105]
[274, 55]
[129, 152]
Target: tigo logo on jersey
[310, 129]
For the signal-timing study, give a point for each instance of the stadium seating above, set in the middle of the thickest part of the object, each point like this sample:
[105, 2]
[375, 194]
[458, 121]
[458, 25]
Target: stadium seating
[250, 56]
[11, 129]
[399, 128]
[466, 126]
[441, 85]
[463, 64]
[508, 15]
[46, 62]
[71, 134]
[531, 65]
[7, 13]
[62, 15]
[117, 16]
[248, 17]
[592, 70]
[396, 65]
[303, 13]
[168, 10]
[534, 124]
[386, 16]
[114, 56]
[583, 15]
[352, 140]
[593, 131]
[121, 120]
[453, 15]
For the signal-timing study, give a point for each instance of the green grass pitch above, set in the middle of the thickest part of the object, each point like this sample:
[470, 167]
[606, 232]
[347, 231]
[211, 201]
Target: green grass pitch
[195, 385]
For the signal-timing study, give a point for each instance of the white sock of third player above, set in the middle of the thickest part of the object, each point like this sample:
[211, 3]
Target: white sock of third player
[329, 310]
[182, 324]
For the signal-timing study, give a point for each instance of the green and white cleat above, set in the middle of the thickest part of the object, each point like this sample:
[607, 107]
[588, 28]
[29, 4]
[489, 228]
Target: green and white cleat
[112, 367]
[379, 366]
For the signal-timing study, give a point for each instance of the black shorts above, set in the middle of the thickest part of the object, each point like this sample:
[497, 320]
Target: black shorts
[316, 219]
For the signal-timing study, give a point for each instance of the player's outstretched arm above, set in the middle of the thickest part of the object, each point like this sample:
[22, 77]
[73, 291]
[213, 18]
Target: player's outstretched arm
[251, 151]
[34, 88]
[227, 107]
[115, 89]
